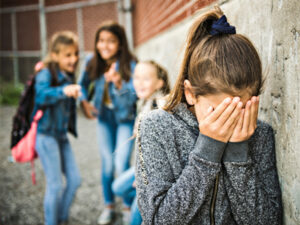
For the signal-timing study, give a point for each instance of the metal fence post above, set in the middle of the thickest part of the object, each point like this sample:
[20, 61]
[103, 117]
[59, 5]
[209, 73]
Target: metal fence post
[43, 29]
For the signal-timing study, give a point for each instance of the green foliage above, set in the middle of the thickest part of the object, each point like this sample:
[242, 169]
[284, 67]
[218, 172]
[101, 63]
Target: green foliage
[10, 93]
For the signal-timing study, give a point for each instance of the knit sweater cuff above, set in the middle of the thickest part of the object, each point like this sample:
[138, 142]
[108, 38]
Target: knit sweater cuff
[236, 152]
[209, 149]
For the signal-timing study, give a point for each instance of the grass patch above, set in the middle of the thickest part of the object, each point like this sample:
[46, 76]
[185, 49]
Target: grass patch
[10, 94]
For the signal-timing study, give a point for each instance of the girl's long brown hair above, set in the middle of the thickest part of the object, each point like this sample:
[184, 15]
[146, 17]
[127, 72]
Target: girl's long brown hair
[223, 63]
[97, 66]
[58, 40]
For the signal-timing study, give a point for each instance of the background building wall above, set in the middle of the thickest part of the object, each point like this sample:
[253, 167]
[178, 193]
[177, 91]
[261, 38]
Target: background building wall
[22, 39]
[152, 17]
[273, 26]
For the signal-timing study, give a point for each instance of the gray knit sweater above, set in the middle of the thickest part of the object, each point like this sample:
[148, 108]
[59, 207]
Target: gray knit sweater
[193, 179]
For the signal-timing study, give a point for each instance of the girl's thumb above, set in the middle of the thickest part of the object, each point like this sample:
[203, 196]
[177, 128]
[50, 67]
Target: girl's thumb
[210, 109]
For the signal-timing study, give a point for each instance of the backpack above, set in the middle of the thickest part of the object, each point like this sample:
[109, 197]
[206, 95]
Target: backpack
[23, 134]
[22, 118]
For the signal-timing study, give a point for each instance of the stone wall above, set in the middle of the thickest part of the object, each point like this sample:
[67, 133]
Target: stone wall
[274, 27]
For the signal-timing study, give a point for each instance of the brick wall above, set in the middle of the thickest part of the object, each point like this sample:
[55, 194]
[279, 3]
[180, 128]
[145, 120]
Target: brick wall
[5, 37]
[28, 31]
[93, 16]
[14, 3]
[61, 20]
[20, 44]
[151, 17]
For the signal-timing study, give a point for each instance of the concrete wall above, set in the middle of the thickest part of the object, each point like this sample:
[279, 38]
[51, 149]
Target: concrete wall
[274, 27]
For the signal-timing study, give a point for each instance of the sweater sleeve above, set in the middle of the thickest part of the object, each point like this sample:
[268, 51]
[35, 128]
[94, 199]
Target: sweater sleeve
[251, 181]
[45, 94]
[166, 199]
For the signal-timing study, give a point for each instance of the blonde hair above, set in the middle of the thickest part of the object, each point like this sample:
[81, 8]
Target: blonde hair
[59, 39]
[161, 74]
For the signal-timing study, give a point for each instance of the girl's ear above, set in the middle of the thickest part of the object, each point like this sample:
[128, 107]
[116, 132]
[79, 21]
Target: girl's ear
[189, 96]
[54, 56]
[159, 84]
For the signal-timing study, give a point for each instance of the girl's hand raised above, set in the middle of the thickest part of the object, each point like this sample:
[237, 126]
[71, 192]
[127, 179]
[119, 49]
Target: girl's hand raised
[219, 124]
[113, 76]
[247, 122]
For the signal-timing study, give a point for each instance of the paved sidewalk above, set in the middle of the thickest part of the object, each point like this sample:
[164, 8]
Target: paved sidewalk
[22, 203]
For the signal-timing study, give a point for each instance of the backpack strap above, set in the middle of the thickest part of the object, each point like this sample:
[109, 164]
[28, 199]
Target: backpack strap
[141, 155]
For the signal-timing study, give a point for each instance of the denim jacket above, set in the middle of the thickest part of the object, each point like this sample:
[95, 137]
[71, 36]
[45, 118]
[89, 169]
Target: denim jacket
[59, 110]
[123, 100]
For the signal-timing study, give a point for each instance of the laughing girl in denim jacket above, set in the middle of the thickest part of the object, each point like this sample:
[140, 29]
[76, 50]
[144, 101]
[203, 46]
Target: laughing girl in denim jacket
[55, 93]
[114, 100]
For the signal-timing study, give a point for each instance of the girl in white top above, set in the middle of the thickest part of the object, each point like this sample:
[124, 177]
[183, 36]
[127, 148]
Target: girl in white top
[151, 83]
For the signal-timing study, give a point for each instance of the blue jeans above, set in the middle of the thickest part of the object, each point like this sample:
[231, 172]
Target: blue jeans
[115, 146]
[122, 187]
[57, 159]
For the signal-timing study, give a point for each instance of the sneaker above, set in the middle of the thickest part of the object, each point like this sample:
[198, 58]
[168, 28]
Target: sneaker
[126, 217]
[106, 216]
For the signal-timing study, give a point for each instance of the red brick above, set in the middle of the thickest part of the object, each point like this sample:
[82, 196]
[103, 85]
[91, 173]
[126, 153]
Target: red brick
[61, 20]
[5, 32]
[59, 2]
[93, 16]
[14, 3]
[28, 30]
[153, 17]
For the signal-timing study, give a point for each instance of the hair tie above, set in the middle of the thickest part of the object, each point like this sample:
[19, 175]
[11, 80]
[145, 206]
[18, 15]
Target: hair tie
[221, 26]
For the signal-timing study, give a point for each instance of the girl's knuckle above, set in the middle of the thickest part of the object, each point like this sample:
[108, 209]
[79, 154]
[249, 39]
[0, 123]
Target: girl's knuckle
[222, 132]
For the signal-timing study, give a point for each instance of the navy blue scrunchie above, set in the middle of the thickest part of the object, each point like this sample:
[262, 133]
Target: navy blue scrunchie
[221, 26]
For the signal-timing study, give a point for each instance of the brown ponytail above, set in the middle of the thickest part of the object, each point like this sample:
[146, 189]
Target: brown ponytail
[216, 63]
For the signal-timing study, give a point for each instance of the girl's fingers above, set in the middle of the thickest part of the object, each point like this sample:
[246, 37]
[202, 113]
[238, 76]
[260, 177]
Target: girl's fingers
[219, 110]
[254, 112]
[113, 66]
[94, 110]
[107, 76]
[234, 117]
[239, 125]
[247, 117]
[228, 112]
[209, 111]
[234, 125]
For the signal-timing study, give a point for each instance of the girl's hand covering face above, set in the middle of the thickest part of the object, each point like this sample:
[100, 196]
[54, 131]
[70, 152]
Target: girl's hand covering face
[229, 121]
[247, 122]
[113, 76]
[220, 123]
